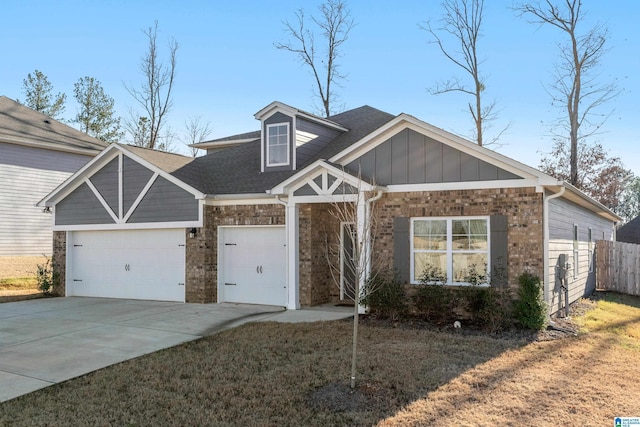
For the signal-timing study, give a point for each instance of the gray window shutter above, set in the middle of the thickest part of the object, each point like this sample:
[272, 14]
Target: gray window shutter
[401, 249]
[499, 250]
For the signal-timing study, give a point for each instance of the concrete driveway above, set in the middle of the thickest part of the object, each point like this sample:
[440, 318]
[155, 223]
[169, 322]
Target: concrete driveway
[46, 341]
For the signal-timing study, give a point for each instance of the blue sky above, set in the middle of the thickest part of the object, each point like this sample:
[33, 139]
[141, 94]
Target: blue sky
[228, 67]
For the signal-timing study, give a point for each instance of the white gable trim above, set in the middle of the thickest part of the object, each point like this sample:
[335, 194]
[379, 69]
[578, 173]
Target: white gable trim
[405, 121]
[320, 168]
[95, 164]
[293, 112]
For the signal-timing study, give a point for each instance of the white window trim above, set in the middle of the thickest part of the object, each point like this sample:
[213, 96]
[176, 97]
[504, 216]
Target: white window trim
[449, 249]
[267, 147]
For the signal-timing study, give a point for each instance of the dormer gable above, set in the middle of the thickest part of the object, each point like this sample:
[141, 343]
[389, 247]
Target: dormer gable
[290, 137]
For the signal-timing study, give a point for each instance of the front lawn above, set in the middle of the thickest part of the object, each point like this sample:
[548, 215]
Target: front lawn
[268, 374]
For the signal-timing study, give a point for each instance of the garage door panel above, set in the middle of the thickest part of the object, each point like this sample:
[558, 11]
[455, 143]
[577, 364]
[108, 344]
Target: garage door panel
[134, 264]
[253, 261]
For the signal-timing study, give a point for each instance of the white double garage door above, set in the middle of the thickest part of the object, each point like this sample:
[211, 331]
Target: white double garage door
[150, 264]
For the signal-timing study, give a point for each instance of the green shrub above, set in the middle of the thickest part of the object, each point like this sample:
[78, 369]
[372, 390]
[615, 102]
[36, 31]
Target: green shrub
[530, 310]
[44, 276]
[385, 296]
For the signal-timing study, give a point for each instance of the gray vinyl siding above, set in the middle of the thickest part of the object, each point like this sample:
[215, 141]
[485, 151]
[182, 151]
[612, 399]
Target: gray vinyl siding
[310, 148]
[134, 178]
[166, 202]
[276, 119]
[106, 182]
[27, 175]
[563, 214]
[81, 207]
[412, 158]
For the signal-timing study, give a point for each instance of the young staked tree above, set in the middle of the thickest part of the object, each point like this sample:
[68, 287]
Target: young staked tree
[196, 130]
[576, 88]
[460, 27]
[154, 95]
[360, 229]
[334, 25]
[96, 114]
[38, 95]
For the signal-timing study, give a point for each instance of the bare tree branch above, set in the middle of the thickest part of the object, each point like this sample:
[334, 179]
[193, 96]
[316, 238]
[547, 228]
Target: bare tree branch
[461, 22]
[334, 24]
[575, 88]
[154, 95]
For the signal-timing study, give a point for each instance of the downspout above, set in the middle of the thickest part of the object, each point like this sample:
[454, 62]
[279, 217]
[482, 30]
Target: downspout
[545, 243]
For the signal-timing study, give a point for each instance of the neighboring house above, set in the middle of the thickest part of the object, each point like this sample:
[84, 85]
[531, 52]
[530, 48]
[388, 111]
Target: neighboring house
[37, 153]
[249, 222]
[629, 232]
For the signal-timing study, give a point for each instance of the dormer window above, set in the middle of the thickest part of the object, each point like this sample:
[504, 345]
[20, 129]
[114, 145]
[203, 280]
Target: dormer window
[278, 144]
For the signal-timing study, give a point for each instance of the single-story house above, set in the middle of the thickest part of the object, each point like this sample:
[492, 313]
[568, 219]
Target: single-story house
[37, 153]
[249, 221]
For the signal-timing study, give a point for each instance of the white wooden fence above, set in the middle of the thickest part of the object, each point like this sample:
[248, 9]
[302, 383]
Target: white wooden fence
[618, 267]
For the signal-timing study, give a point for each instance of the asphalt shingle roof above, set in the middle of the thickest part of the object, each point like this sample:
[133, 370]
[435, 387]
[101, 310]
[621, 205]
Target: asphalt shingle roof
[22, 125]
[236, 170]
[168, 162]
[630, 232]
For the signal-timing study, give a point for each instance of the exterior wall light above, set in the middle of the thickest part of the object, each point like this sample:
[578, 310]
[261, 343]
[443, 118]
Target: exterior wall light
[192, 233]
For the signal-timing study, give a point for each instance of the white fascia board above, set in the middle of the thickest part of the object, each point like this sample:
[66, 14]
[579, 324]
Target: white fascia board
[75, 180]
[404, 121]
[197, 194]
[129, 226]
[325, 198]
[464, 185]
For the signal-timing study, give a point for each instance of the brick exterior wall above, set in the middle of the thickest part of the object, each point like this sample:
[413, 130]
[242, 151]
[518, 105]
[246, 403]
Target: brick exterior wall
[59, 262]
[319, 236]
[202, 251]
[522, 207]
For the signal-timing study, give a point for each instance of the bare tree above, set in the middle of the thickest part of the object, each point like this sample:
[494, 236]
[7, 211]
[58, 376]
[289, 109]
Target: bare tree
[334, 25]
[354, 267]
[575, 88]
[195, 131]
[154, 95]
[461, 24]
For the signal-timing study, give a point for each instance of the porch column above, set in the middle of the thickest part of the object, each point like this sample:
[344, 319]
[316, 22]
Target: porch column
[364, 258]
[293, 256]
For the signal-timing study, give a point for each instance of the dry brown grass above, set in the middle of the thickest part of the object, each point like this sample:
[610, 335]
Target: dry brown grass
[17, 289]
[264, 374]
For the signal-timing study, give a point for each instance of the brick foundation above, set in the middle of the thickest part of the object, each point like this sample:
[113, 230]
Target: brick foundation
[59, 262]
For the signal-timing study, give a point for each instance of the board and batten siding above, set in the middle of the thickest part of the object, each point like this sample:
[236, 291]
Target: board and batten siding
[162, 202]
[563, 215]
[412, 158]
[28, 174]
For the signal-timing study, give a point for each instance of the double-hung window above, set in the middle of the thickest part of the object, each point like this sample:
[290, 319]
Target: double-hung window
[278, 144]
[456, 246]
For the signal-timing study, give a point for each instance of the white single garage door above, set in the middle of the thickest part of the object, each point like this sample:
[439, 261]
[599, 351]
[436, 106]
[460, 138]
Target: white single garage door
[254, 265]
[131, 264]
